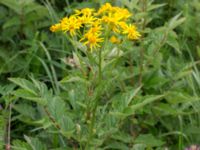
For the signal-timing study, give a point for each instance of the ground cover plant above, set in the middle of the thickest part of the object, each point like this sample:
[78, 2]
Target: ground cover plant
[99, 75]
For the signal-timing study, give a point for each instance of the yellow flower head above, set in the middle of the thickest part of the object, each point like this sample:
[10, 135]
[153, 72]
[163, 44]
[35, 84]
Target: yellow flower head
[123, 25]
[71, 24]
[55, 27]
[85, 12]
[115, 40]
[114, 17]
[125, 13]
[112, 22]
[105, 8]
[132, 32]
[92, 40]
[95, 29]
[122, 13]
[86, 19]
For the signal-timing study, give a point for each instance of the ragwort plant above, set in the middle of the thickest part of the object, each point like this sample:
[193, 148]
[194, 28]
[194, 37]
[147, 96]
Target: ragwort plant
[99, 31]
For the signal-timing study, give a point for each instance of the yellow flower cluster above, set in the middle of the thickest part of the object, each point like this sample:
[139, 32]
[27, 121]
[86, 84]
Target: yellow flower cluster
[91, 25]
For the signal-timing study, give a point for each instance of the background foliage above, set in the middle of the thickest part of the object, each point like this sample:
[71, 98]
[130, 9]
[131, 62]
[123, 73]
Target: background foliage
[149, 96]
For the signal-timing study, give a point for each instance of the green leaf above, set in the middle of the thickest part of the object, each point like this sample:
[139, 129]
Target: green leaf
[176, 21]
[14, 21]
[26, 110]
[166, 109]
[121, 101]
[29, 96]
[57, 109]
[35, 91]
[67, 125]
[35, 143]
[20, 145]
[154, 79]
[139, 147]
[172, 41]
[123, 137]
[180, 97]
[149, 140]
[155, 6]
[25, 84]
[12, 4]
[117, 146]
[36, 8]
[131, 109]
[182, 74]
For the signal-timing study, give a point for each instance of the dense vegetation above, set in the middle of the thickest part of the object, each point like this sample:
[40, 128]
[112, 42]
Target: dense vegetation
[55, 94]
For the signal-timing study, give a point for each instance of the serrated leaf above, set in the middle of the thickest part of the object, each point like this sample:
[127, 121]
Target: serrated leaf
[57, 110]
[131, 109]
[149, 140]
[25, 84]
[26, 110]
[35, 143]
[56, 107]
[20, 145]
[29, 96]
[121, 101]
[67, 125]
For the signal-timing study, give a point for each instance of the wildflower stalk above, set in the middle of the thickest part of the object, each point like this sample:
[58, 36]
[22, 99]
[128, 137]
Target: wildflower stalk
[92, 122]
[100, 65]
[144, 9]
[93, 118]
[131, 69]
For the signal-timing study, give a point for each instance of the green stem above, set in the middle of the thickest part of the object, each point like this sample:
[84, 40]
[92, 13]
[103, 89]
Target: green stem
[94, 107]
[144, 10]
[96, 101]
[100, 67]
